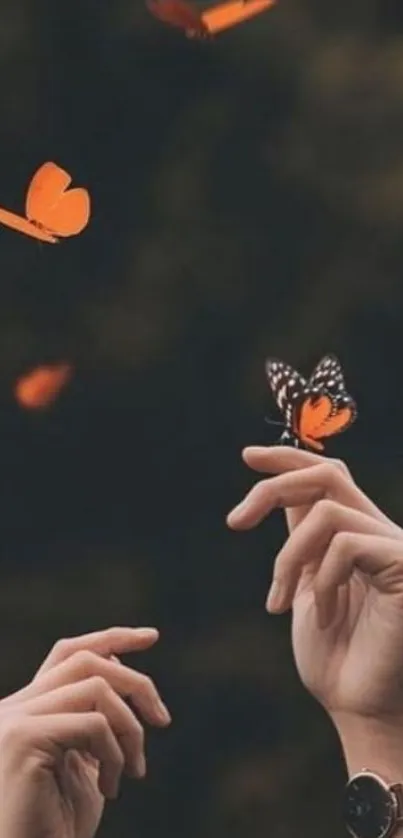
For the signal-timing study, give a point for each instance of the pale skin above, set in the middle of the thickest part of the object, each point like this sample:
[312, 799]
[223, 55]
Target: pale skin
[67, 737]
[341, 572]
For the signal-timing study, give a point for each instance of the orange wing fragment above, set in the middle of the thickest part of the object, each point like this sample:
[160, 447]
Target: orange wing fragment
[215, 19]
[181, 14]
[41, 386]
[52, 210]
[318, 419]
[312, 415]
[230, 14]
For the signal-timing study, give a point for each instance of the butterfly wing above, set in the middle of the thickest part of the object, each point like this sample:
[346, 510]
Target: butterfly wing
[328, 375]
[47, 185]
[41, 386]
[229, 14]
[319, 418]
[316, 409]
[287, 386]
[17, 222]
[48, 204]
[178, 13]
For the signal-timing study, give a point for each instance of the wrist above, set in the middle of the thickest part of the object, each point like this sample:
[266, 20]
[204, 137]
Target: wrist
[376, 744]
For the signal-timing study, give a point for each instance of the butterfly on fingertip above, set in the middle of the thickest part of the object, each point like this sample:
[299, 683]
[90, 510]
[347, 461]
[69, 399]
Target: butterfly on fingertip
[312, 409]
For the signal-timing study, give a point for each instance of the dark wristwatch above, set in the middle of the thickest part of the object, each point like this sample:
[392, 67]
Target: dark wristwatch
[371, 807]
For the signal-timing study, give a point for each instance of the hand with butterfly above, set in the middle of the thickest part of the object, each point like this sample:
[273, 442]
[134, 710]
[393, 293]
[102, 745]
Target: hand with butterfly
[67, 737]
[341, 572]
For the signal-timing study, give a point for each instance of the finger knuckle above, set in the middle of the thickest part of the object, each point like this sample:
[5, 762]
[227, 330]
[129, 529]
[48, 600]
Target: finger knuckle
[329, 474]
[85, 661]
[324, 509]
[62, 647]
[99, 686]
[145, 683]
[341, 542]
[98, 724]
[14, 730]
[341, 466]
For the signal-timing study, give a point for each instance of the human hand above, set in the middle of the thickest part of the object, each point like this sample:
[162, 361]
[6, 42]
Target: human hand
[66, 738]
[341, 571]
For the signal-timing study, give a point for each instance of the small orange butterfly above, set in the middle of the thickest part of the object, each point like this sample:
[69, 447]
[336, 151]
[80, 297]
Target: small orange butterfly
[51, 209]
[41, 386]
[313, 409]
[197, 24]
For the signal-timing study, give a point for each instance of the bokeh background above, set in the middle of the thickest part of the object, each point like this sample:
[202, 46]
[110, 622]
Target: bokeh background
[247, 200]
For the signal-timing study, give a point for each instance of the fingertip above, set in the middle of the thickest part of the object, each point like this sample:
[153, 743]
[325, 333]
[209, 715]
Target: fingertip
[252, 451]
[234, 520]
[149, 633]
[140, 766]
[231, 521]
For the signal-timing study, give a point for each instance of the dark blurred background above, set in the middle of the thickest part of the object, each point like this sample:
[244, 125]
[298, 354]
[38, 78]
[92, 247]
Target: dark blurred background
[247, 200]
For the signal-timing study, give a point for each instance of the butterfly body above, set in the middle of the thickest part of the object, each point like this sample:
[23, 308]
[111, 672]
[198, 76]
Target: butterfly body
[313, 410]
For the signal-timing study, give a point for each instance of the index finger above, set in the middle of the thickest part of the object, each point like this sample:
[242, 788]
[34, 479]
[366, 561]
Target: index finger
[111, 641]
[280, 458]
[301, 488]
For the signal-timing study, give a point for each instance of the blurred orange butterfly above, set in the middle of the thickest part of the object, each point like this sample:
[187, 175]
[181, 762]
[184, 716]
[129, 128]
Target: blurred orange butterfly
[41, 386]
[313, 409]
[51, 209]
[198, 24]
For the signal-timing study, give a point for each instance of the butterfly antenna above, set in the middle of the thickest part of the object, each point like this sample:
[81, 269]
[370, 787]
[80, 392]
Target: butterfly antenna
[273, 422]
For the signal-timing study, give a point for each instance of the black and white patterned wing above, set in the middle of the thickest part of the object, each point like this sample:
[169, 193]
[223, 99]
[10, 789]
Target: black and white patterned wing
[328, 375]
[287, 386]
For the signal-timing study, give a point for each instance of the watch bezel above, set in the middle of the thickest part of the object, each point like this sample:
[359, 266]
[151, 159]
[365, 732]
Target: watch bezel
[391, 789]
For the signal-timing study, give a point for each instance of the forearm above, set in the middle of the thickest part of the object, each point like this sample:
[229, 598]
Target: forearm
[373, 745]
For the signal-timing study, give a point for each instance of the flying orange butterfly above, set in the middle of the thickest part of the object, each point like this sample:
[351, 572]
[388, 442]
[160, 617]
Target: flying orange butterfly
[41, 386]
[197, 24]
[51, 209]
[313, 409]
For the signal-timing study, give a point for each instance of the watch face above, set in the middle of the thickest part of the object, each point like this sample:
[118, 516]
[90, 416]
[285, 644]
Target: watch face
[368, 810]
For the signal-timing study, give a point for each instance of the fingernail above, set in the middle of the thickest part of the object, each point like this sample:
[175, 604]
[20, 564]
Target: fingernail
[163, 712]
[276, 596]
[140, 765]
[236, 512]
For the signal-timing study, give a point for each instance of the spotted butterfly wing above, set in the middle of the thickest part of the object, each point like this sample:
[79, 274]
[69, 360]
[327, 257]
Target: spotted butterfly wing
[288, 388]
[328, 376]
[315, 409]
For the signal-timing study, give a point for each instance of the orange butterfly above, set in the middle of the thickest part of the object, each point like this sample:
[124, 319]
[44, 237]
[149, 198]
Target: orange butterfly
[198, 24]
[41, 386]
[314, 409]
[51, 209]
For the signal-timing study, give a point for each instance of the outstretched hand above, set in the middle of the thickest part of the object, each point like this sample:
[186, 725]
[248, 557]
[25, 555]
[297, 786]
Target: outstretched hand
[341, 572]
[67, 737]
